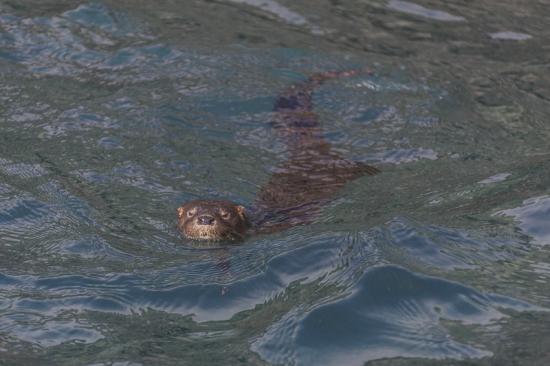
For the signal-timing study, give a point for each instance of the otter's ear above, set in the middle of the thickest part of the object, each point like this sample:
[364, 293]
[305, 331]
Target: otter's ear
[241, 211]
[180, 212]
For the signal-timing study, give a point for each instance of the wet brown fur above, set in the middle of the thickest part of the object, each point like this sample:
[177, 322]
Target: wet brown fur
[229, 220]
[300, 186]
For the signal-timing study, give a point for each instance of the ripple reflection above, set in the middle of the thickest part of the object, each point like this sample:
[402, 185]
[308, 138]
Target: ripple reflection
[390, 312]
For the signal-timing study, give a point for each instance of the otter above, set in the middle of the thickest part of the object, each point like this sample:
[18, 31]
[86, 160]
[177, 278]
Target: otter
[294, 194]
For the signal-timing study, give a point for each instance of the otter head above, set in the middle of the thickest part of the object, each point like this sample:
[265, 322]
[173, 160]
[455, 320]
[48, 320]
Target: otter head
[212, 220]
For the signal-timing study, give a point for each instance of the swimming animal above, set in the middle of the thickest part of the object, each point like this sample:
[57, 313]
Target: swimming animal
[306, 181]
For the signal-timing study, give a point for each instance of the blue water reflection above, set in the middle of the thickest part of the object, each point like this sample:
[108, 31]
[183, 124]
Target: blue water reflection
[533, 217]
[390, 312]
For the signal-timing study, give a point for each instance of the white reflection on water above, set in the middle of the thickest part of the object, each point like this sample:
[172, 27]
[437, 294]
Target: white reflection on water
[282, 12]
[512, 36]
[495, 178]
[415, 9]
[533, 216]
[400, 156]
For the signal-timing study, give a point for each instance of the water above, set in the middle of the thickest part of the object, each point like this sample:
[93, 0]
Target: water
[115, 112]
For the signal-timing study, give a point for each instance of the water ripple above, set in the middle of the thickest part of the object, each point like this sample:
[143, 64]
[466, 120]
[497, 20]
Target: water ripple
[114, 115]
[329, 258]
[390, 312]
[533, 218]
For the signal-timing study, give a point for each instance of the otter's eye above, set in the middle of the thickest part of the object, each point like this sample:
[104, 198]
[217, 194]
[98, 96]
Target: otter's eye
[190, 213]
[225, 215]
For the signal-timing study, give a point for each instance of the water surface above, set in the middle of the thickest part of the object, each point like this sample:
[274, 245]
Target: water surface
[115, 112]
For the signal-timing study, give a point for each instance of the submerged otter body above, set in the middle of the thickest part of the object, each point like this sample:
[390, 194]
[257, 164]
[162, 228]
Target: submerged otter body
[293, 196]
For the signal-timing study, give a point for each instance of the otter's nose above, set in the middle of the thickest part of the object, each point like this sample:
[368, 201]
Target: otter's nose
[206, 220]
